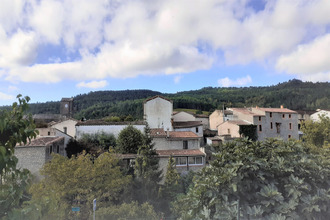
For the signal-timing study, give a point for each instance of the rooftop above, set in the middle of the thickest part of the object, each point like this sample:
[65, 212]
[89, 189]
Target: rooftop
[239, 122]
[159, 132]
[188, 152]
[157, 96]
[186, 124]
[102, 122]
[42, 141]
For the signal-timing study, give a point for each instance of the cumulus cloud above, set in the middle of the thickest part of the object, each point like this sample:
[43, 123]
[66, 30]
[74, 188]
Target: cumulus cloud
[309, 61]
[4, 96]
[93, 84]
[226, 82]
[128, 38]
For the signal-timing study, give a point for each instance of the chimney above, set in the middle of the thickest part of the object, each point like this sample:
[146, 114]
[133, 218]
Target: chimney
[257, 107]
[281, 106]
[168, 133]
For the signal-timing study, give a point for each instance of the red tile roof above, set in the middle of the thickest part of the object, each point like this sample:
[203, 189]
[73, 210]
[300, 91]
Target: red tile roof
[245, 111]
[159, 132]
[239, 122]
[278, 110]
[189, 152]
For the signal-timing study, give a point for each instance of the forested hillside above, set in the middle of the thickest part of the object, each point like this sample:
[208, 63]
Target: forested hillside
[294, 94]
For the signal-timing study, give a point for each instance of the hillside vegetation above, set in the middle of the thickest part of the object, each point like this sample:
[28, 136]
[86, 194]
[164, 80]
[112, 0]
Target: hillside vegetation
[294, 94]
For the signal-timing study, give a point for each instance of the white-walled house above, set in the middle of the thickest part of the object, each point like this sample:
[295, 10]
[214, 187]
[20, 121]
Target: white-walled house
[318, 113]
[158, 112]
[183, 116]
[67, 126]
[99, 126]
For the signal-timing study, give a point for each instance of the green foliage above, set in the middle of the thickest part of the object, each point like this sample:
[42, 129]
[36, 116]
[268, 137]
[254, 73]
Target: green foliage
[76, 182]
[101, 140]
[317, 133]
[127, 211]
[271, 179]
[171, 187]
[146, 170]
[293, 94]
[249, 131]
[14, 128]
[112, 119]
[129, 140]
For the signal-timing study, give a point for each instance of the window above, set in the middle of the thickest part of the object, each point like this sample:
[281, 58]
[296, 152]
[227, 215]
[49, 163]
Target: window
[58, 149]
[228, 131]
[283, 115]
[48, 133]
[260, 128]
[289, 115]
[290, 126]
[270, 114]
[259, 118]
[196, 129]
[195, 160]
[271, 125]
[289, 136]
[50, 149]
[65, 129]
[181, 161]
[278, 127]
[185, 144]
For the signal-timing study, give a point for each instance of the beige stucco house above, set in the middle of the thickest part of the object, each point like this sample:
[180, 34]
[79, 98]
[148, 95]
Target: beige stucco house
[67, 126]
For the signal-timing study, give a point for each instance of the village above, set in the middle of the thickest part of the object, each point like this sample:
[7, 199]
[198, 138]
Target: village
[185, 136]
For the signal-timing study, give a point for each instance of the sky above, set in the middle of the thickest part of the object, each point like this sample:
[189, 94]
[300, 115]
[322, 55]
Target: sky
[51, 49]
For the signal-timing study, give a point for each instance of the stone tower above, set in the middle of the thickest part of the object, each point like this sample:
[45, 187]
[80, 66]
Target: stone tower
[66, 107]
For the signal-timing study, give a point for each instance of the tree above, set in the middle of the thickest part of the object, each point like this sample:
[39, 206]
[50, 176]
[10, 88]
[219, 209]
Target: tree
[127, 211]
[76, 182]
[270, 180]
[318, 132]
[171, 187]
[146, 170]
[15, 128]
[129, 140]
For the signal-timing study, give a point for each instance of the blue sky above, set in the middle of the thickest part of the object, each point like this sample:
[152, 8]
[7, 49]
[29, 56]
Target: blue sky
[51, 49]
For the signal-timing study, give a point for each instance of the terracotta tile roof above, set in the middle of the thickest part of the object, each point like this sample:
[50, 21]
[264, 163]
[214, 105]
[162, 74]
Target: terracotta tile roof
[102, 122]
[245, 111]
[278, 110]
[57, 122]
[189, 152]
[239, 122]
[186, 124]
[157, 96]
[159, 132]
[42, 141]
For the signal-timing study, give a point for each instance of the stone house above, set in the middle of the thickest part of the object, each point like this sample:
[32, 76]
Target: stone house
[231, 128]
[219, 116]
[35, 154]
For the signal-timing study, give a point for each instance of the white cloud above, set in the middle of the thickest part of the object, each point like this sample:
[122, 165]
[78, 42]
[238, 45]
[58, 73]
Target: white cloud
[4, 96]
[93, 84]
[12, 88]
[309, 61]
[226, 82]
[128, 38]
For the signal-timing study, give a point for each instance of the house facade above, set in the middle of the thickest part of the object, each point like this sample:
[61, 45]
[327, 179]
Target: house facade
[34, 155]
[158, 112]
[318, 113]
[67, 126]
[183, 146]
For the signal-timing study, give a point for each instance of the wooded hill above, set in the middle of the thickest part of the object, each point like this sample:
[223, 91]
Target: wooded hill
[294, 94]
